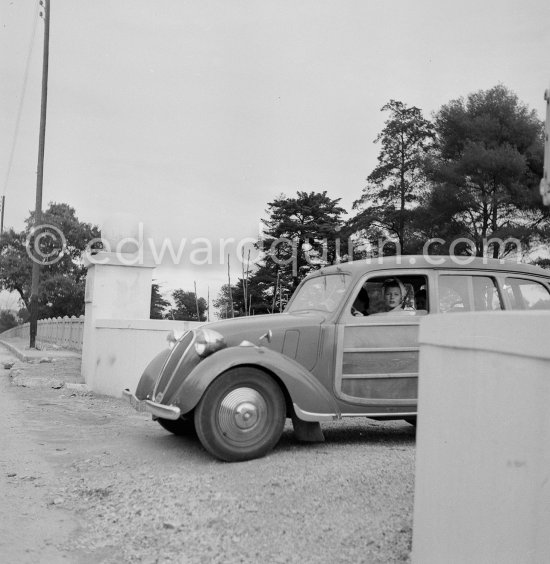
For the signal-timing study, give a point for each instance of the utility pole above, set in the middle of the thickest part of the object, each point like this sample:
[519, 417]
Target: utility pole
[197, 302]
[2, 205]
[229, 285]
[40, 172]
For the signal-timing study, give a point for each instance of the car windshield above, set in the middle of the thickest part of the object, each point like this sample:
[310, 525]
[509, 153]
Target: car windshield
[322, 293]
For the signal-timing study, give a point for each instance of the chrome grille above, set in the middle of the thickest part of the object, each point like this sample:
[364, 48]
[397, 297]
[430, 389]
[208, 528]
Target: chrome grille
[178, 352]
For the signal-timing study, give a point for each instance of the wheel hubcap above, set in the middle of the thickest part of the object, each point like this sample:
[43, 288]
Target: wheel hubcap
[246, 415]
[242, 414]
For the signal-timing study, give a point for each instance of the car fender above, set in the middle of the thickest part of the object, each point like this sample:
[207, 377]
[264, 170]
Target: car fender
[306, 392]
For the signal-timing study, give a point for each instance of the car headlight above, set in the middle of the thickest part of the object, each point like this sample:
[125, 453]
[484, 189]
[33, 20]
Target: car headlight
[208, 341]
[173, 337]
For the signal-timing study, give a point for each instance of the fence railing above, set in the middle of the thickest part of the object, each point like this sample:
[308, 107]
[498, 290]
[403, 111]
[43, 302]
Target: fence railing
[67, 332]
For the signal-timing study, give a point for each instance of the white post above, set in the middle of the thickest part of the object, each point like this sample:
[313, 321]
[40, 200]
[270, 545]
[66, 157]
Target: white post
[482, 486]
[118, 284]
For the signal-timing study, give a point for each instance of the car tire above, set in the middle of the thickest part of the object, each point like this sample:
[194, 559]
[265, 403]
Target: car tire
[241, 415]
[178, 426]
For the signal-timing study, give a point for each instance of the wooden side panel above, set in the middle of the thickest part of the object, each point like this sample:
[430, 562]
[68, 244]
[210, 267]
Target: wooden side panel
[381, 336]
[381, 388]
[378, 362]
[388, 362]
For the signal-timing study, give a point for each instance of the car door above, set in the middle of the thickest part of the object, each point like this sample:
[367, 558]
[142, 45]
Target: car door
[377, 353]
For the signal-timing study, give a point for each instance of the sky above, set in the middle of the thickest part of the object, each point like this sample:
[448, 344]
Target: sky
[191, 115]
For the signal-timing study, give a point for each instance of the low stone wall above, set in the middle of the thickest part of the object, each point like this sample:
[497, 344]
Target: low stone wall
[67, 332]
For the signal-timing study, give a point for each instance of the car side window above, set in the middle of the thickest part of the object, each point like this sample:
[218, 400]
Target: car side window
[460, 293]
[400, 294]
[527, 294]
[453, 294]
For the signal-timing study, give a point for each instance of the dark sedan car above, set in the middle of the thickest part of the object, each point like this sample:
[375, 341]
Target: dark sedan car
[345, 346]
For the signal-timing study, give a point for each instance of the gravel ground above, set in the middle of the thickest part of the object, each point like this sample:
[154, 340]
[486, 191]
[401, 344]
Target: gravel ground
[135, 493]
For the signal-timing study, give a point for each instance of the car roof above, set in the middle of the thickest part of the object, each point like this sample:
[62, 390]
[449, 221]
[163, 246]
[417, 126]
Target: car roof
[439, 262]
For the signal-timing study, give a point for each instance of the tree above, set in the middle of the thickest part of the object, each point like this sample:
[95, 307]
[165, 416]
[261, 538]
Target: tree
[301, 234]
[15, 266]
[258, 297]
[61, 295]
[395, 186]
[23, 315]
[486, 171]
[7, 320]
[62, 273]
[158, 303]
[542, 262]
[230, 301]
[185, 308]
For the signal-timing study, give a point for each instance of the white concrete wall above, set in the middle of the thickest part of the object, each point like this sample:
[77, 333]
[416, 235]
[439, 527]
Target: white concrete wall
[482, 488]
[124, 347]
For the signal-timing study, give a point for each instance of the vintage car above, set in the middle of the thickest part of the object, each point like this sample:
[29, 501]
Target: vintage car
[341, 348]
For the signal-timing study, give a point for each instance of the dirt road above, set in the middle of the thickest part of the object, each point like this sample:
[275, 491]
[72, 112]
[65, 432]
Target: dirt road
[88, 480]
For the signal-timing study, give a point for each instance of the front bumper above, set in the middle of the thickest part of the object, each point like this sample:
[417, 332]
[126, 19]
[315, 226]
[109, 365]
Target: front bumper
[157, 409]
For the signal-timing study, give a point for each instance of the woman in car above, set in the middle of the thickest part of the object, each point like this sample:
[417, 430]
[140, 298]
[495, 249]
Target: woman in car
[395, 296]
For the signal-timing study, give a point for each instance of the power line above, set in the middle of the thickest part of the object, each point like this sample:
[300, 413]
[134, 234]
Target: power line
[21, 100]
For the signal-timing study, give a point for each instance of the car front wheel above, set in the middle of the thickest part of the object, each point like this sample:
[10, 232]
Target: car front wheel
[241, 415]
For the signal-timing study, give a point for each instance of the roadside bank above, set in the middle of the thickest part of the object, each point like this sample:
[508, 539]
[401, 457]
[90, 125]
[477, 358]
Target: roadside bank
[46, 366]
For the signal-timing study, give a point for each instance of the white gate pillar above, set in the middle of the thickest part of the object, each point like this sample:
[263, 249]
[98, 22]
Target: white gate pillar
[118, 284]
[482, 482]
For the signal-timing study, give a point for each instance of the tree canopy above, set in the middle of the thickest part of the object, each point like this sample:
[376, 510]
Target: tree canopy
[158, 304]
[300, 235]
[486, 170]
[259, 296]
[62, 274]
[396, 185]
[7, 320]
[187, 306]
